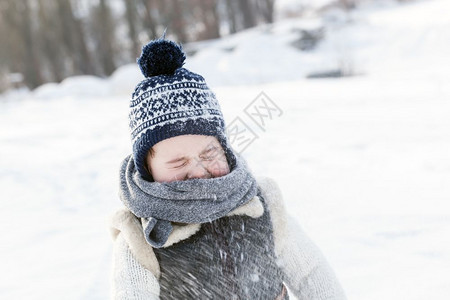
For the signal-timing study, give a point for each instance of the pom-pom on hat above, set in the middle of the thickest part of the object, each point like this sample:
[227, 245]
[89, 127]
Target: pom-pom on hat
[171, 101]
[160, 57]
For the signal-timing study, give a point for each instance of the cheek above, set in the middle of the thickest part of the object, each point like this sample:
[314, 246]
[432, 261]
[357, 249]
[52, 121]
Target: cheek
[169, 175]
[162, 174]
[220, 168]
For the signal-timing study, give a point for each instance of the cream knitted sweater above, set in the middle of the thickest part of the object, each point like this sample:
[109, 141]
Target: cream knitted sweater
[136, 270]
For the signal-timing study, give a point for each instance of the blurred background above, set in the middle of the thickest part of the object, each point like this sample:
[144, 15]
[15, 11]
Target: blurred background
[47, 41]
[359, 140]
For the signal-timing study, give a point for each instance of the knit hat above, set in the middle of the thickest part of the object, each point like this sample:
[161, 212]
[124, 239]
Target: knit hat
[171, 101]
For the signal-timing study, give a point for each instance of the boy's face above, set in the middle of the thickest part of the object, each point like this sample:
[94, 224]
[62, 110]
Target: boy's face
[186, 157]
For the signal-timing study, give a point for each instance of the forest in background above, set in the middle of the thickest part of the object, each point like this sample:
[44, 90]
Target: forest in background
[48, 40]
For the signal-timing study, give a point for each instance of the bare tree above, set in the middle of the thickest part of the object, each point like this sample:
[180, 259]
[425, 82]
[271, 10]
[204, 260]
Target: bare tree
[12, 43]
[210, 19]
[177, 20]
[103, 36]
[266, 10]
[248, 13]
[149, 22]
[22, 53]
[32, 66]
[50, 51]
[85, 61]
[72, 36]
[231, 15]
[48, 40]
[131, 18]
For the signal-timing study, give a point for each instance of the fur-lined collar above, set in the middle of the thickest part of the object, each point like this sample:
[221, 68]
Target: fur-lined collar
[253, 208]
[123, 221]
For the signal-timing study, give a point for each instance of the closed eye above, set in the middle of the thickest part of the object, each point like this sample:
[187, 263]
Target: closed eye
[213, 152]
[177, 167]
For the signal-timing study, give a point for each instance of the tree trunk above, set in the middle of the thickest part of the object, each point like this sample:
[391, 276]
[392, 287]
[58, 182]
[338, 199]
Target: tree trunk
[73, 39]
[47, 35]
[85, 62]
[131, 17]
[231, 13]
[13, 44]
[149, 22]
[32, 70]
[210, 19]
[106, 38]
[248, 14]
[266, 8]
[177, 21]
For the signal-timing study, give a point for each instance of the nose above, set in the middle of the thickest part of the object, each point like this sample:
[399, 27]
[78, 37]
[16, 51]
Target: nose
[198, 171]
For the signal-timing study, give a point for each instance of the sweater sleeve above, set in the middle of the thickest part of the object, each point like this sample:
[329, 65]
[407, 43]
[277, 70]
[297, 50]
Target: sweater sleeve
[135, 268]
[130, 280]
[308, 274]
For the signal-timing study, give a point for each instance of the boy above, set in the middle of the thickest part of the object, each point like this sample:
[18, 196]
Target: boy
[197, 224]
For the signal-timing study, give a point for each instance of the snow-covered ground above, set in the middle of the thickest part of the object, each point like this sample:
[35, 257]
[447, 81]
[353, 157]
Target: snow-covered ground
[363, 161]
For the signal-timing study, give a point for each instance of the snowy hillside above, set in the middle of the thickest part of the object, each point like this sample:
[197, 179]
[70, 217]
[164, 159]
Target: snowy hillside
[363, 161]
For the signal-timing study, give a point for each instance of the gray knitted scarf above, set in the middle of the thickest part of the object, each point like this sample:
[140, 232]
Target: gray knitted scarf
[191, 201]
